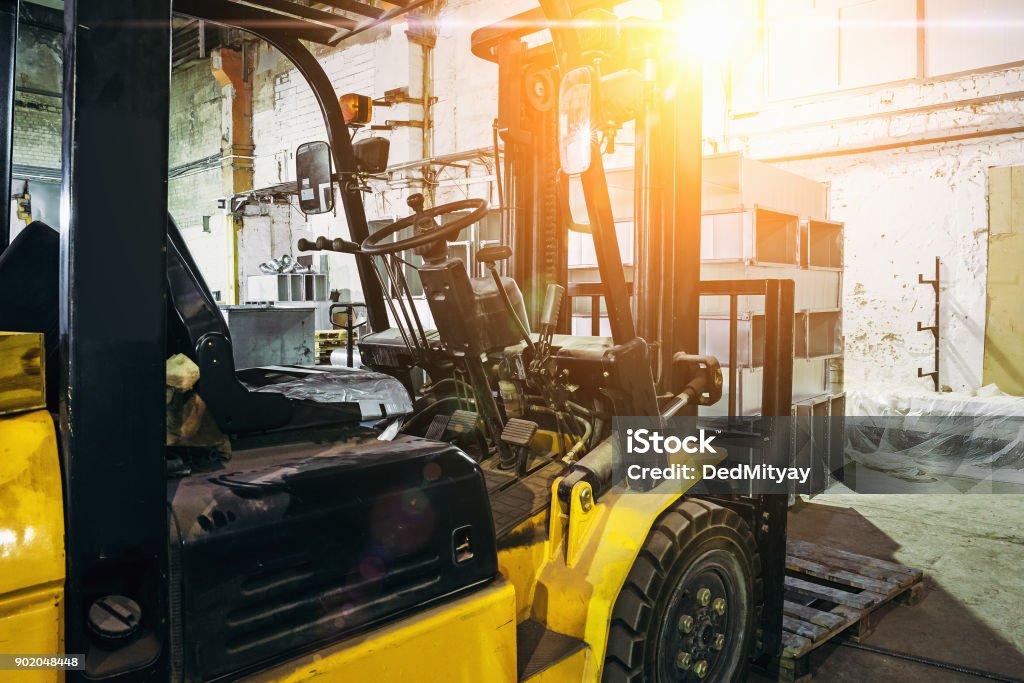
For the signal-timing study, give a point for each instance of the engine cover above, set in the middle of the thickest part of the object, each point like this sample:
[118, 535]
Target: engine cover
[296, 545]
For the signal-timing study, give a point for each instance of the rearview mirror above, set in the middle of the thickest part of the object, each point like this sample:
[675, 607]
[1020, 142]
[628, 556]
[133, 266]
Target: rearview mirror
[313, 175]
[575, 104]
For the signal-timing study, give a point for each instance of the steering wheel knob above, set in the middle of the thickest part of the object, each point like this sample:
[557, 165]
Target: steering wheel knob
[415, 202]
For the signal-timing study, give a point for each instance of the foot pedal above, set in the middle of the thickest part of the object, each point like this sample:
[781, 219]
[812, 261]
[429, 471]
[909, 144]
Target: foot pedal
[464, 428]
[463, 423]
[519, 433]
[435, 432]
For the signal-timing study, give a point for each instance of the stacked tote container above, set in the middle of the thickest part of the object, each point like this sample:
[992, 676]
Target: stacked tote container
[760, 222]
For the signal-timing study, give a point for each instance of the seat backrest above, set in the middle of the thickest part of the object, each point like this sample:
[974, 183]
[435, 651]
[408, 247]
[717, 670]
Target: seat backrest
[189, 296]
[29, 294]
[198, 326]
[30, 302]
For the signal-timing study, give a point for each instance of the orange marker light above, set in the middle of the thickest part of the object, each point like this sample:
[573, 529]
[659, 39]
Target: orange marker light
[356, 109]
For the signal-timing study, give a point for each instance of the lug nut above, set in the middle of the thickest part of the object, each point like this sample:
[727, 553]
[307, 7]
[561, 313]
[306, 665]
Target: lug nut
[686, 623]
[701, 669]
[719, 641]
[704, 596]
[683, 660]
[718, 605]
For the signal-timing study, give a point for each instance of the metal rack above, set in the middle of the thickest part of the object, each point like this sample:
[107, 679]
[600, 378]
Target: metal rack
[933, 328]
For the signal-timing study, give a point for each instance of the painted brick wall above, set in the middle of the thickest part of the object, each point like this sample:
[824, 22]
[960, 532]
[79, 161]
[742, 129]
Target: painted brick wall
[37, 122]
[195, 184]
[37, 103]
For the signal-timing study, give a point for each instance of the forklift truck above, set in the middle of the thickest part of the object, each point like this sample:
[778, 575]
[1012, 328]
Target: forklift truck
[479, 537]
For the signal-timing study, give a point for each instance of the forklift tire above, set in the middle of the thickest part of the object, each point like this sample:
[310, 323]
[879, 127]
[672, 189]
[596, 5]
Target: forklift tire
[687, 609]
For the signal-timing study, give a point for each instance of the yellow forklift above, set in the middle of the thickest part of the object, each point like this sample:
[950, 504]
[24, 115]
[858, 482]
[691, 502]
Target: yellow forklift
[453, 511]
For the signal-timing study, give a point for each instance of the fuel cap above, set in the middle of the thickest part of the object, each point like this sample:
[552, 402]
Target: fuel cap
[115, 617]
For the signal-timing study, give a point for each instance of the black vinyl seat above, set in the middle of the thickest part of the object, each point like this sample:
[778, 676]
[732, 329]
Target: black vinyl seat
[30, 302]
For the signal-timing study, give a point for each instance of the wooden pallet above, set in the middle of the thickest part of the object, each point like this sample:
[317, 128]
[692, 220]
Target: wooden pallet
[830, 591]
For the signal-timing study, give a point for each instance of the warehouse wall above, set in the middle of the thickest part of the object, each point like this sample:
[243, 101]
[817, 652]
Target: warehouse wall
[907, 162]
[37, 121]
[194, 169]
[285, 114]
[908, 169]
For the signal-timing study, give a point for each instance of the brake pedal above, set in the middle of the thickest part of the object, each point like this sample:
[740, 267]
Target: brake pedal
[519, 433]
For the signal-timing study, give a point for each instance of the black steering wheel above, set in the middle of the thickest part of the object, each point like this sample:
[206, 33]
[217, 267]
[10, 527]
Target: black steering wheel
[372, 246]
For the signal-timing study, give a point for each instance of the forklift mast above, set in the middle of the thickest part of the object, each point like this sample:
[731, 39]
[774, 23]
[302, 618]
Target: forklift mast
[661, 306]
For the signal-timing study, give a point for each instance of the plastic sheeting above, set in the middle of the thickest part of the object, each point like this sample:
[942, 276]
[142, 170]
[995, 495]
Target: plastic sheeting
[371, 390]
[918, 435]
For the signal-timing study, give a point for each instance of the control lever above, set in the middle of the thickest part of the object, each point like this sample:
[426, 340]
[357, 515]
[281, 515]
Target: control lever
[324, 244]
[549, 315]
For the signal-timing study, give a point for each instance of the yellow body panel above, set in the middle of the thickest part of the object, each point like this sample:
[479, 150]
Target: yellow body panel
[563, 567]
[31, 540]
[576, 597]
[467, 640]
[566, 577]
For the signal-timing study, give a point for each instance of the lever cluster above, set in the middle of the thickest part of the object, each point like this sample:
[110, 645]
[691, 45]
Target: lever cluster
[326, 244]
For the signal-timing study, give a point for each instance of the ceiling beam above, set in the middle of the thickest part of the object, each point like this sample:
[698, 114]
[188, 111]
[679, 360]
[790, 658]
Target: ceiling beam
[306, 12]
[244, 17]
[359, 7]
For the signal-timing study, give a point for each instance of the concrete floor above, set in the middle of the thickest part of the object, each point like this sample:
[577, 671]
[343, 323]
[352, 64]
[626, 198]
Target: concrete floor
[971, 548]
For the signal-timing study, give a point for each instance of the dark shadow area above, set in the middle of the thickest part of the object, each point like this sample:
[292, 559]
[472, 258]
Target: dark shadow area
[941, 626]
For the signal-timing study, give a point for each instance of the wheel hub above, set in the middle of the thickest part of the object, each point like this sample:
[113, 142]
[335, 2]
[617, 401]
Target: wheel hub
[700, 615]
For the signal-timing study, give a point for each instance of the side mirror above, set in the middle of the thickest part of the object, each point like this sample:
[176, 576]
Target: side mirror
[371, 154]
[575, 130]
[314, 177]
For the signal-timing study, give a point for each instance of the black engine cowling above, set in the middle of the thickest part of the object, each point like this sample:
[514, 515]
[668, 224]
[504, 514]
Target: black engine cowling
[296, 545]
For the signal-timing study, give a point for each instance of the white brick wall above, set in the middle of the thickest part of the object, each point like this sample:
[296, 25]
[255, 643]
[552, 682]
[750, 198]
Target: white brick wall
[902, 207]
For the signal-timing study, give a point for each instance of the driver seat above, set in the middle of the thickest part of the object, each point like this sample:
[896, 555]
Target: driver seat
[470, 313]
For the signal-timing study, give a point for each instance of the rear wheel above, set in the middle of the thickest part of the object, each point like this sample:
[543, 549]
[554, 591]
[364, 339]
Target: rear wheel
[686, 611]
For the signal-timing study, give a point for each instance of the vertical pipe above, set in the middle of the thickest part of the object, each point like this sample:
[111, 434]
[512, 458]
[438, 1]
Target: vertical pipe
[8, 62]
[733, 356]
[648, 237]
[427, 51]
